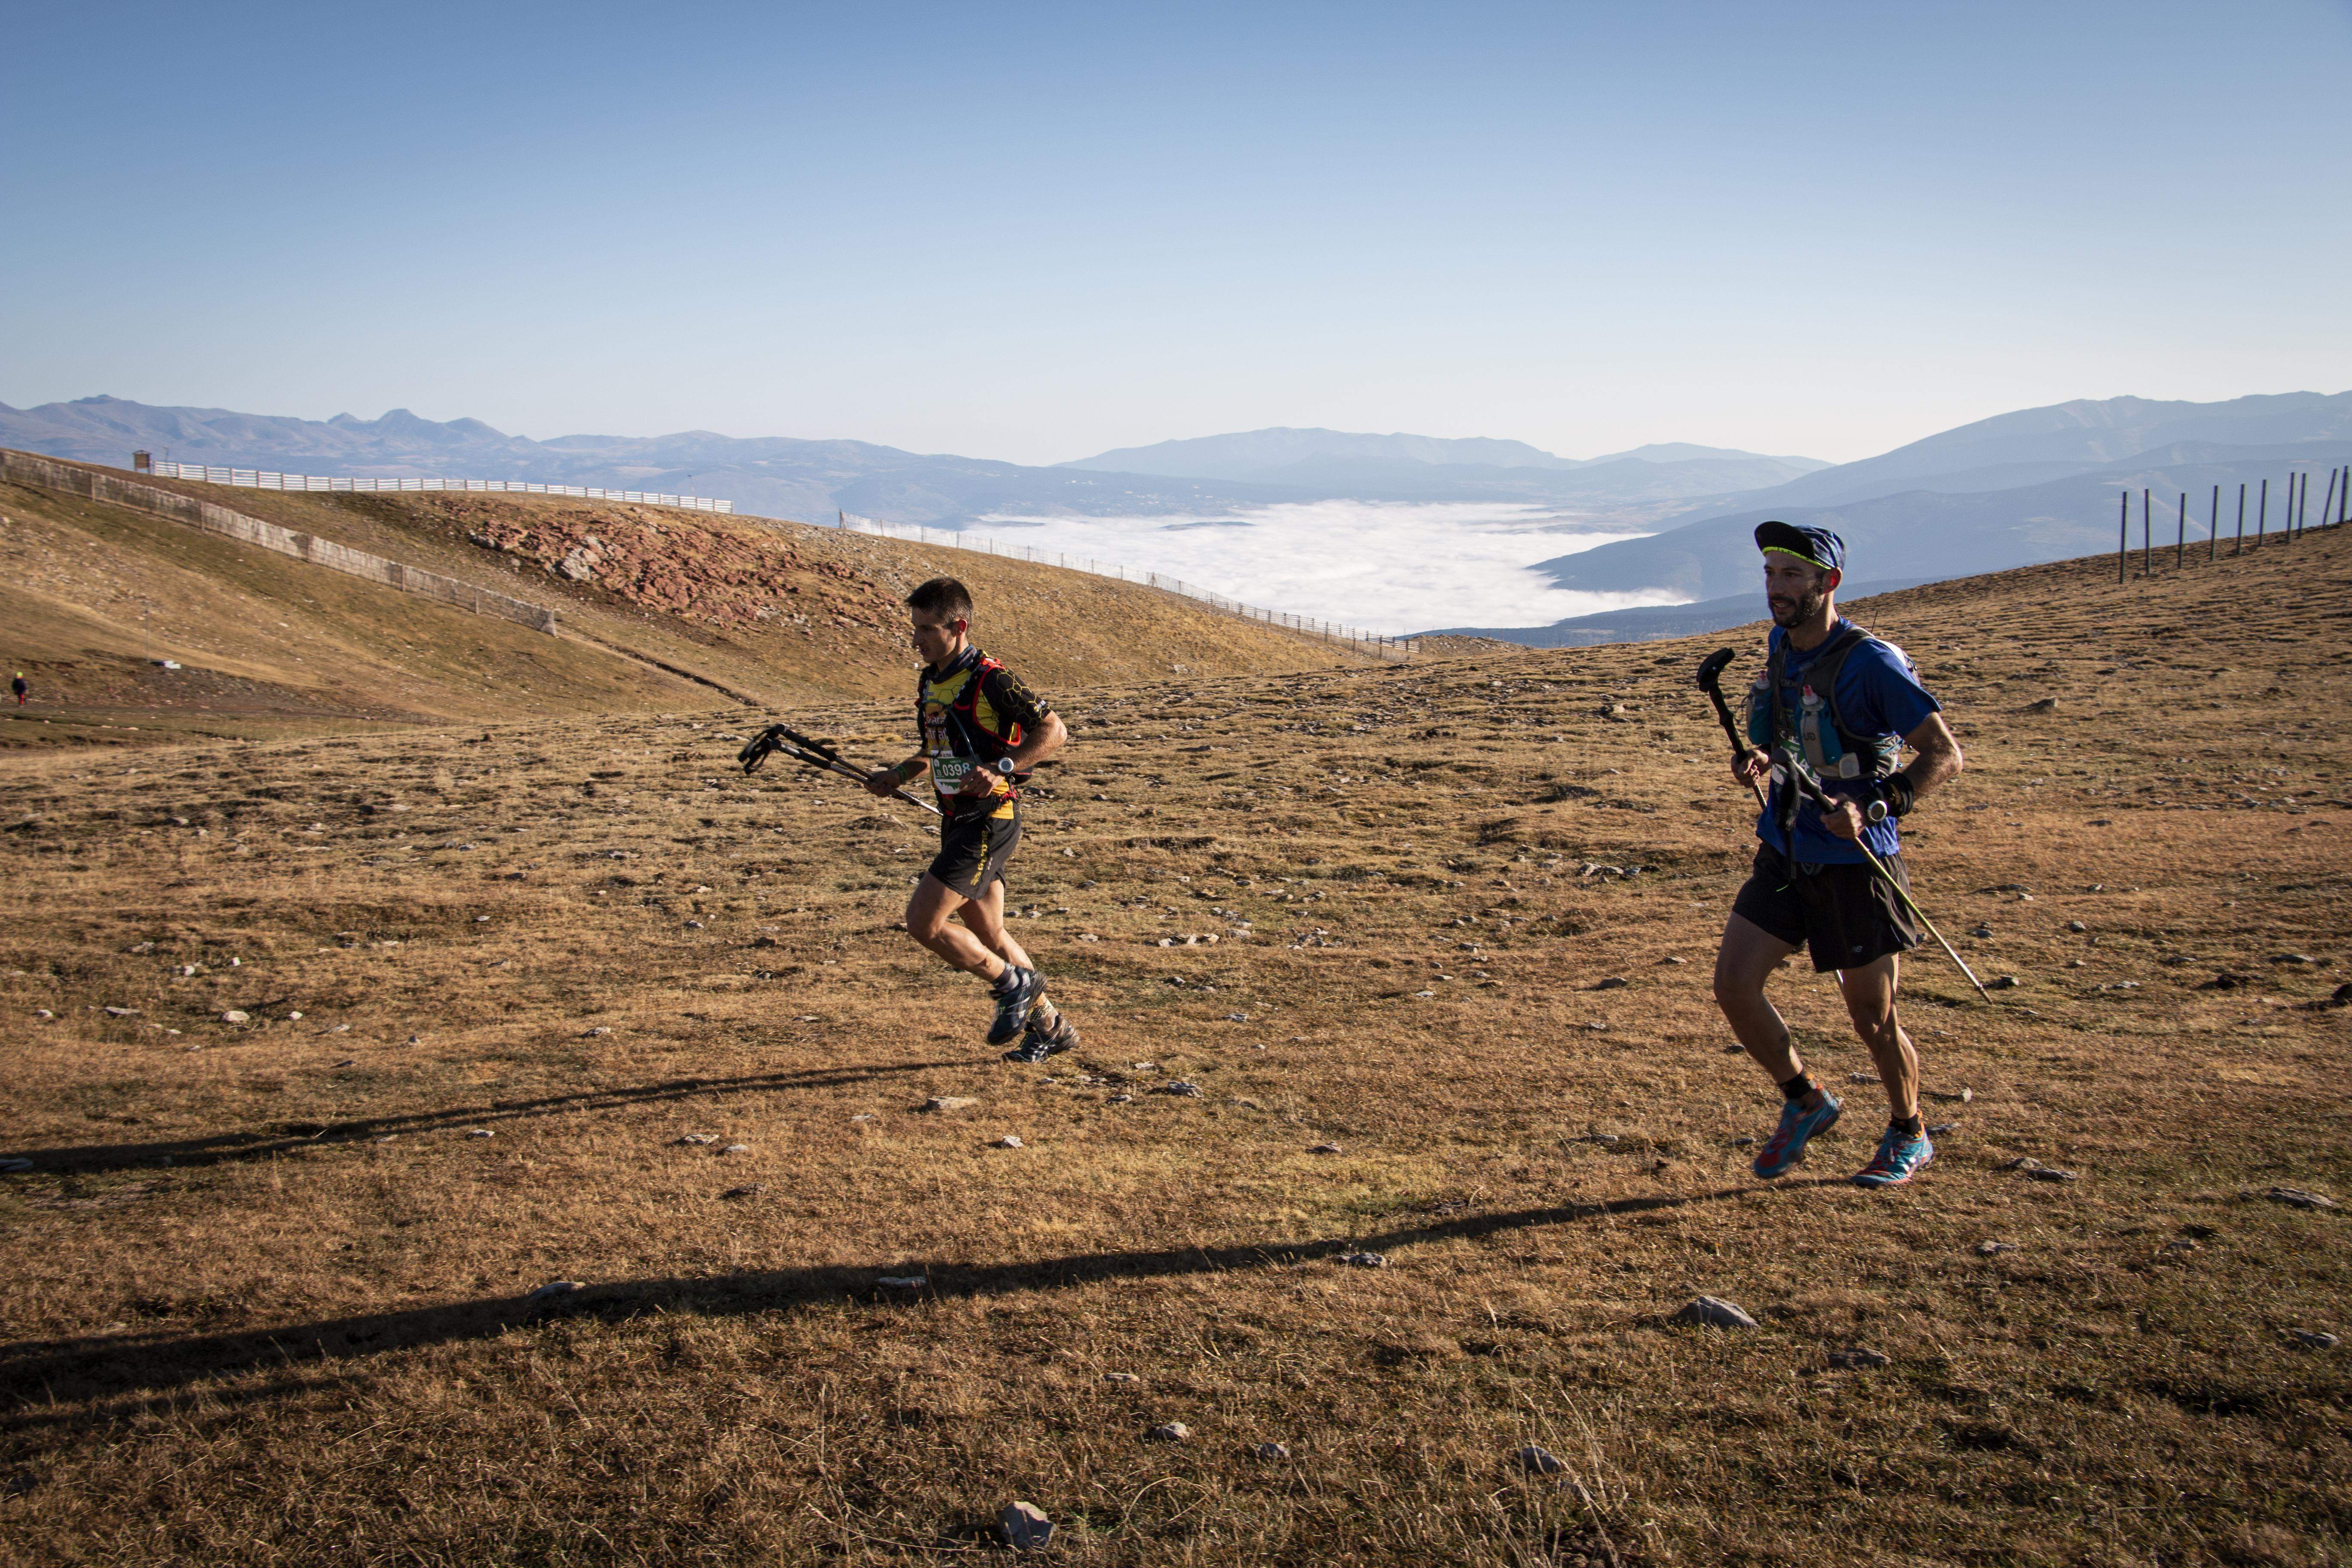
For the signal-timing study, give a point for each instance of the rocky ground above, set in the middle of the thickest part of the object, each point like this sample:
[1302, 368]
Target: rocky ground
[536, 1142]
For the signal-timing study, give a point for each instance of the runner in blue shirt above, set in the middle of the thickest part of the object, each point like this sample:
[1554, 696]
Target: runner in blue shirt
[1847, 703]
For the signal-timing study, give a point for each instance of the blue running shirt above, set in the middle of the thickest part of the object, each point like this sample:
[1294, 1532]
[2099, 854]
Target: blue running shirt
[1878, 693]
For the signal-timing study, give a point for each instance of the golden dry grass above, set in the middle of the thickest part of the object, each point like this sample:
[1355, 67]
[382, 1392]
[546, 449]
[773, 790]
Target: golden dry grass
[268, 1292]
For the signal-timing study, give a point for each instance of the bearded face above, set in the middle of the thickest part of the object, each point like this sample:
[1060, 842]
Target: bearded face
[1793, 590]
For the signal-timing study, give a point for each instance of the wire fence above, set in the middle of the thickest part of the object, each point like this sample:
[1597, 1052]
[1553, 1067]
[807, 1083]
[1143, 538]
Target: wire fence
[2295, 520]
[262, 480]
[1373, 644]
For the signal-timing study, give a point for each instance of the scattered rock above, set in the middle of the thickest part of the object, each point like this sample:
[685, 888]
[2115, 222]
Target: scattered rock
[940, 1103]
[1025, 1527]
[554, 1290]
[2292, 958]
[45, 1016]
[1273, 1451]
[2004, 983]
[1943, 1127]
[1170, 1432]
[235, 1016]
[2295, 1197]
[1365, 1261]
[752, 1191]
[699, 1138]
[1963, 1097]
[1010, 1140]
[736, 1149]
[346, 1062]
[1614, 983]
[477, 1132]
[1181, 1088]
[1120, 1377]
[1862, 1078]
[1743, 1142]
[2046, 705]
[2313, 1339]
[1987, 1248]
[2050, 1173]
[1855, 1358]
[1118, 1100]
[2077, 927]
[1981, 931]
[1713, 1313]
[600, 1029]
[1537, 1460]
[1325, 1149]
[127, 1012]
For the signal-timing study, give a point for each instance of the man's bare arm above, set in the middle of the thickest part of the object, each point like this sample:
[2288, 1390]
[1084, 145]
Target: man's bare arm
[1939, 756]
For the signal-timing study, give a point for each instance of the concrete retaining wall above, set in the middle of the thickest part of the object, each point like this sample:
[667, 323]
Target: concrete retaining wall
[24, 469]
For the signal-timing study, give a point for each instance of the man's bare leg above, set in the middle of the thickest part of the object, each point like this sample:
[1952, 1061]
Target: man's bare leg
[1870, 1003]
[928, 922]
[1743, 964]
[985, 916]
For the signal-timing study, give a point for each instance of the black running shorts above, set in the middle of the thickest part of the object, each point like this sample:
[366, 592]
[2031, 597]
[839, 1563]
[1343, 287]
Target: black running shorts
[1844, 913]
[974, 848]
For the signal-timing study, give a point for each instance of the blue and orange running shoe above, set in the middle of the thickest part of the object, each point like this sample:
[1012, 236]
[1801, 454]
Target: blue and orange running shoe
[1900, 1155]
[1798, 1127]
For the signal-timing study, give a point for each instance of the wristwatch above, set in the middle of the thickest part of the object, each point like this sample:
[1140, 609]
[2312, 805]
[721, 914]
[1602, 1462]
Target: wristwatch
[1003, 766]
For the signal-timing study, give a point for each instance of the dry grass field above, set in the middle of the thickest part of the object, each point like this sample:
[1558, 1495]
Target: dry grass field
[1431, 945]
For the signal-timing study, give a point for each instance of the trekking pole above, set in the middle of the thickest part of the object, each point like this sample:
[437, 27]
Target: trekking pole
[816, 753]
[1710, 680]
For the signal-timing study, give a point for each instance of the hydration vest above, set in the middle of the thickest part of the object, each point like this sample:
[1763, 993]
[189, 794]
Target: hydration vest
[1833, 751]
[963, 728]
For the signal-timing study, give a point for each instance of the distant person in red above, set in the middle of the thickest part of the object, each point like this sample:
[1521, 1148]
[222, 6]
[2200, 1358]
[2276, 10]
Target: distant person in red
[19, 687]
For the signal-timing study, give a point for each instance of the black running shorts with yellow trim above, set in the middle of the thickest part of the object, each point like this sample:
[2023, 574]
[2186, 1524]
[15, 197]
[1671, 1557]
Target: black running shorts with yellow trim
[974, 846]
[1844, 913]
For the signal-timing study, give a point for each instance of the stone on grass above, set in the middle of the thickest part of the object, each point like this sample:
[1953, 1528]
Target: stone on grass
[736, 1149]
[1170, 1432]
[2313, 1338]
[2077, 927]
[1025, 1527]
[2295, 1197]
[1181, 1088]
[2003, 982]
[1943, 1127]
[1862, 1078]
[236, 1016]
[1712, 1312]
[1010, 1140]
[554, 1290]
[752, 1191]
[940, 1103]
[699, 1138]
[1613, 982]
[2050, 1173]
[1537, 1461]
[600, 1029]
[1120, 1377]
[123, 1012]
[1325, 1149]
[1987, 1248]
[1963, 1098]
[1365, 1261]
[1858, 1357]
[477, 1132]
[2292, 958]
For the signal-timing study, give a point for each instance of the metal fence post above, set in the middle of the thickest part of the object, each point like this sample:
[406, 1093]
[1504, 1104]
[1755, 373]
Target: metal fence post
[2262, 515]
[2240, 548]
[2181, 537]
[2213, 529]
[2146, 548]
[2123, 536]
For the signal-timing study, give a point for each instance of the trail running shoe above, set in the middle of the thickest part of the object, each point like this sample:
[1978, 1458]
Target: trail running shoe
[1798, 1127]
[1038, 1042]
[1015, 993]
[1898, 1159]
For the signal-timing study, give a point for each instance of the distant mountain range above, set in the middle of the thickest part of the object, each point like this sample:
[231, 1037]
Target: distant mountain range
[2034, 485]
[1428, 468]
[2037, 485]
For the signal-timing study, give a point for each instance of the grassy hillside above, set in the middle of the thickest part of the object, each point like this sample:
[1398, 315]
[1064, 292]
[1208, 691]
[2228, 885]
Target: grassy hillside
[723, 608]
[1431, 943]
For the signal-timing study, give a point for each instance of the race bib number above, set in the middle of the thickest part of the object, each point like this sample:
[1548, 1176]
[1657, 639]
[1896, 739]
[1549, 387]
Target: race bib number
[947, 773]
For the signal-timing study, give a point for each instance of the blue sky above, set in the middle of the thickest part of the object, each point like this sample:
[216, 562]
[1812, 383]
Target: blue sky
[1038, 232]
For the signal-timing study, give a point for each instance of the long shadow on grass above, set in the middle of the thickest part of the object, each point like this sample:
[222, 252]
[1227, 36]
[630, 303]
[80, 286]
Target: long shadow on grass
[287, 1136]
[56, 1381]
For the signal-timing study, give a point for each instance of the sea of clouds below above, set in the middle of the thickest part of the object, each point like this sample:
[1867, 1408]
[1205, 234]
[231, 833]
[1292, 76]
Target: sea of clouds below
[1385, 567]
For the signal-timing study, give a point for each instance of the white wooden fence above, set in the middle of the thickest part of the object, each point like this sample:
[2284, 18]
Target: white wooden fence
[262, 480]
[1398, 649]
[24, 469]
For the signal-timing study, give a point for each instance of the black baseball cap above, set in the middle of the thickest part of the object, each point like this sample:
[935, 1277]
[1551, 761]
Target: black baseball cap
[1818, 546]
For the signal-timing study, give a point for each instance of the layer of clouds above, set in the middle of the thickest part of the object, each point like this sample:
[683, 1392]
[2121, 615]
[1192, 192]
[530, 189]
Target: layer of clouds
[1383, 567]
